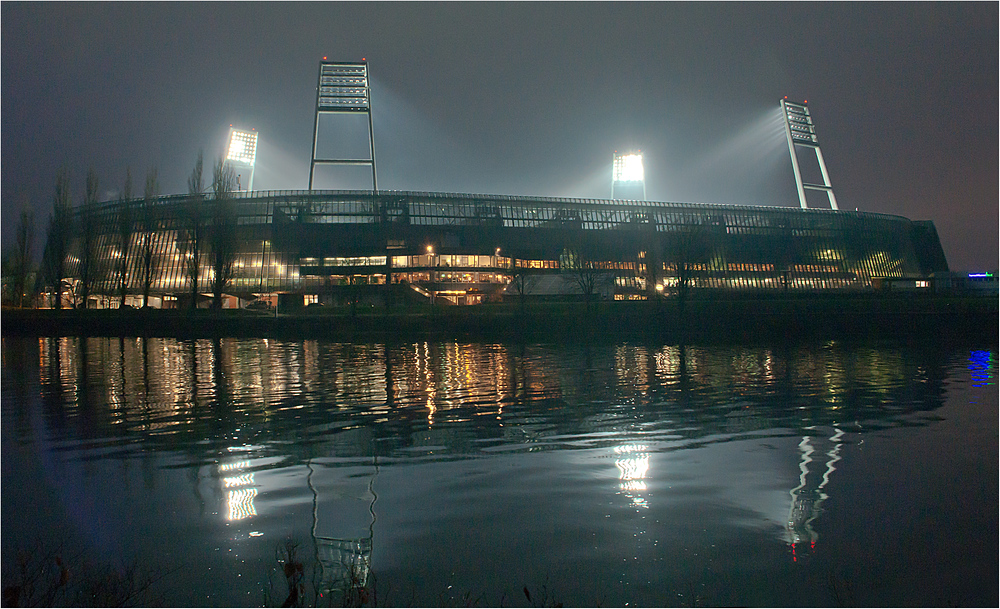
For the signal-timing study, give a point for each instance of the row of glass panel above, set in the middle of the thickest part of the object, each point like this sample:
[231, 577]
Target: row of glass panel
[264, 269]
[880, 244]
[531, 213]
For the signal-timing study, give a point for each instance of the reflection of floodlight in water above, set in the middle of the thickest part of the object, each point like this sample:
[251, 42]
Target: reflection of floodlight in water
[240, 490]
[243, 150]
[633, 466]
[628, 177]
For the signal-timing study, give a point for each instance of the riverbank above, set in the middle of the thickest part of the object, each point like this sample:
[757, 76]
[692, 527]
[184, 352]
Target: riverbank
[728, 317]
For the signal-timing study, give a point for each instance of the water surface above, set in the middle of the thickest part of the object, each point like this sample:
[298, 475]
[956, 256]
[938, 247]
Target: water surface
[449, 473]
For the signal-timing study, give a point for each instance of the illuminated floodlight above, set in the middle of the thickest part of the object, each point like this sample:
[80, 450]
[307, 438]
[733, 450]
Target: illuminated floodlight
[628, 180]
[343, 86]
[242, 147]
[628, 168]
[243, 150]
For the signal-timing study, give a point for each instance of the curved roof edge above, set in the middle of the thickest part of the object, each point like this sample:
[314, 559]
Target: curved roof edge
[277, 194]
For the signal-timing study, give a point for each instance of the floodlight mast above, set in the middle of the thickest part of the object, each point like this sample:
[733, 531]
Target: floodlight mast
[343, 89]
[800, 130]
[243, 151]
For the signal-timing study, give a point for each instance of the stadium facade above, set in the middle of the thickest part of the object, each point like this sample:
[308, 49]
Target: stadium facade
[301, 247]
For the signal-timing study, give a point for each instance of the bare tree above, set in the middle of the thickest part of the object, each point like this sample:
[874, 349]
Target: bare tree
[194, 234]
[22, 254]
[685, 247]
[125, 230]
[8, 266]
[87, 268]
[147, 236]
[223, 232]
[523, 283]
[586, 273]
[587, 276]
[59, 234]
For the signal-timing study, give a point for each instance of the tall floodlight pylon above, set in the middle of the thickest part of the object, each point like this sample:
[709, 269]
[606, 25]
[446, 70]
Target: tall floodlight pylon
[800, 131]
[343, 89]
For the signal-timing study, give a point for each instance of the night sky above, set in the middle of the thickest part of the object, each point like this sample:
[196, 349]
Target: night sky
[528, 99]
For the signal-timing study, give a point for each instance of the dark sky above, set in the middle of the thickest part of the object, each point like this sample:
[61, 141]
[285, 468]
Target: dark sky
[522, 98]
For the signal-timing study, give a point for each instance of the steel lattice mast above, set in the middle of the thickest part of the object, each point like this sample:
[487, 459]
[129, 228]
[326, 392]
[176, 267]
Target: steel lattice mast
[800, 131]
[343, 89]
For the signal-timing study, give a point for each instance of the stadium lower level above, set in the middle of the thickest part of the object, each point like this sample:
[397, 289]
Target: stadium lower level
[302, 247]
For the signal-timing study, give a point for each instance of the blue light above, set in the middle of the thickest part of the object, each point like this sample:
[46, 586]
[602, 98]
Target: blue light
[981, 368]
[980, 274]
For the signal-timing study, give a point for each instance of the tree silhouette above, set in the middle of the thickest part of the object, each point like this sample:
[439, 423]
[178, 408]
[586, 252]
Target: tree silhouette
[687, 247]
[59, 234]
[147, 236]
[22, 254]
[125, 230]
[195, 229]
[523, 283]
[223, 231]
[586, 272]
[87, 268]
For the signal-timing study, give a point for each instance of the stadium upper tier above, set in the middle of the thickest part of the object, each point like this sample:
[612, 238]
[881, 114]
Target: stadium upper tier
[468, 247]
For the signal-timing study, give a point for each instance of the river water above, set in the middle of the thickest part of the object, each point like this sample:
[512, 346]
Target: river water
[453, 473]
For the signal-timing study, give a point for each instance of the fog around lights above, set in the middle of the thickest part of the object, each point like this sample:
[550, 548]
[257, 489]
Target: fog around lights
[242, 147]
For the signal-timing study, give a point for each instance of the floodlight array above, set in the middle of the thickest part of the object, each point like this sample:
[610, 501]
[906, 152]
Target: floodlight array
[343, 87]
[800, 124]
[242, 147]
[628, 168]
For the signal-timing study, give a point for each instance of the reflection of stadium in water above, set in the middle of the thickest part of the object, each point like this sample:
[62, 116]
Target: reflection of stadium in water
[343, 526]
[314, 404]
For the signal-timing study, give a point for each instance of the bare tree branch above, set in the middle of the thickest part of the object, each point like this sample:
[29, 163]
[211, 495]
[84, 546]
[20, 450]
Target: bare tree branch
[59, 234]
[195, 231]
[148, 269]
[223, 232]
[125, 230]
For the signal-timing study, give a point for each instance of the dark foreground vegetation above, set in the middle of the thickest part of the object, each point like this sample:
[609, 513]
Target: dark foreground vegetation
[705, 317]
[59, 577]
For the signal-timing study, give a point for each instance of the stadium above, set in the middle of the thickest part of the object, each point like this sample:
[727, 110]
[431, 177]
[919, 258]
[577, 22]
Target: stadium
[297, 248]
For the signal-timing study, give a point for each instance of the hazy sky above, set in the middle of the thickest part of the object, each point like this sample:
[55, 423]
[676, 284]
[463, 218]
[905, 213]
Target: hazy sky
[522, 98]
